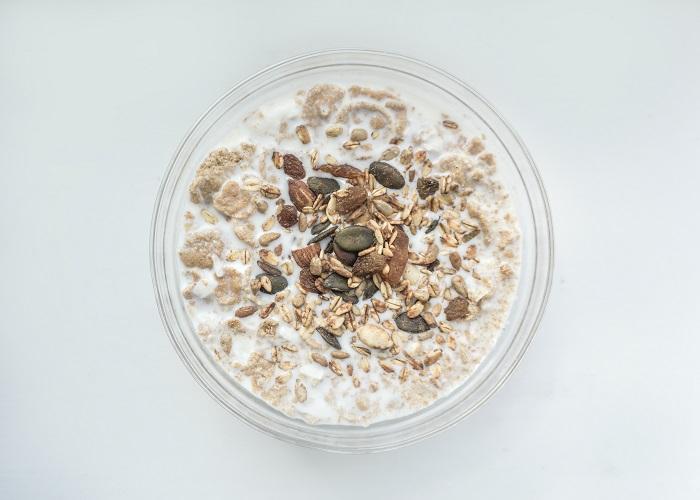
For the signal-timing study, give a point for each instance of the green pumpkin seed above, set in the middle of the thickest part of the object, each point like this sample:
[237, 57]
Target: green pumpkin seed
[411, 325]
[337, 283]
[322, 185]
[354, 238]
[278, 283]
[347, 296]
[386, 175]
[370, 289]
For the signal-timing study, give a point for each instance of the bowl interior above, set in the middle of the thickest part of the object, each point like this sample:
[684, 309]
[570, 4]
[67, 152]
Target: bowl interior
[416, 82]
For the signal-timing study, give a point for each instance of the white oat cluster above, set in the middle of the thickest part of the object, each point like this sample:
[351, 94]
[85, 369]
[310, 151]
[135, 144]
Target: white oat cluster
[348, 256]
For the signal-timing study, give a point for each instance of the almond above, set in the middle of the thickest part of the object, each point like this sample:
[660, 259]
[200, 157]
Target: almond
[303, 256]
[368, 264]
[344, 170]
[287, 216]
[350, 199]
[245, 311]
[397, 263]
[293, 166]
[300, 194]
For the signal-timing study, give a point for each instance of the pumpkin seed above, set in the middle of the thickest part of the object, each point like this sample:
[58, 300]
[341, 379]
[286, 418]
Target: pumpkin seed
[386, 175]
[322, 185]
[278, 283]
[349, 297]
[411, 325]
[336, 282]
[354, 238]
[370, 289]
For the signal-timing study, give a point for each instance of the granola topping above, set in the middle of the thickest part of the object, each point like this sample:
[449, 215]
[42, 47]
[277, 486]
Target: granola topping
[348, 256]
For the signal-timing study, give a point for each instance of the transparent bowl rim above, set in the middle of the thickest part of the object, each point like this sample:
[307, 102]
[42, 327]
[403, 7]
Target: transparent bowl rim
[352, 439]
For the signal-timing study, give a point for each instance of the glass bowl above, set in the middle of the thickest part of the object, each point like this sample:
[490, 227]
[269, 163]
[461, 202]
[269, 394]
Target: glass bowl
[517, 172]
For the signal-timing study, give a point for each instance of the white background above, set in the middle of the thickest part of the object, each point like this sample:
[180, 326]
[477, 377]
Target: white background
[94, 402]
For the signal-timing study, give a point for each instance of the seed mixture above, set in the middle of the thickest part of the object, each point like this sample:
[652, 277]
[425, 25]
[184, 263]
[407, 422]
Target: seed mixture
[347, 256]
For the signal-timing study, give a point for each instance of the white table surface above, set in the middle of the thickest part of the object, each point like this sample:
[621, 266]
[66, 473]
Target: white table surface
[94, 402]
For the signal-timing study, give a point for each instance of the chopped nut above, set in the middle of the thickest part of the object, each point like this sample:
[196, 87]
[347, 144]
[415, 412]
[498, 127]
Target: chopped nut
[245, 311]
[267, 238]
[319, 359]
[303, 134]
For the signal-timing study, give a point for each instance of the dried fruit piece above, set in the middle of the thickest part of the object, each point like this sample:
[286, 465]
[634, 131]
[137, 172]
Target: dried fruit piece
[457, 308]
[322, 185]
[374, 336]
[303, 256]
[356, 238]
[350, 199]
[300, 194]
[293, 166]
[411, 325]
[369, 264]
[427, 186]
[328, 336]
[386, 175]
[397, 262]
[343, 170]
[287, 216]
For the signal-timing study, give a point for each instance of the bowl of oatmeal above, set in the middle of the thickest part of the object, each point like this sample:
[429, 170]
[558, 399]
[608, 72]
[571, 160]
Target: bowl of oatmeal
[351, 250]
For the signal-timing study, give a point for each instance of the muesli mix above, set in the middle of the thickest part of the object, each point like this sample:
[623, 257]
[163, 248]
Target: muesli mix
[347, 258]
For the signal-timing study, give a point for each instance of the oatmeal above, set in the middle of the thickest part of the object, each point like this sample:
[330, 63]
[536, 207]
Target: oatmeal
[347, 256]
